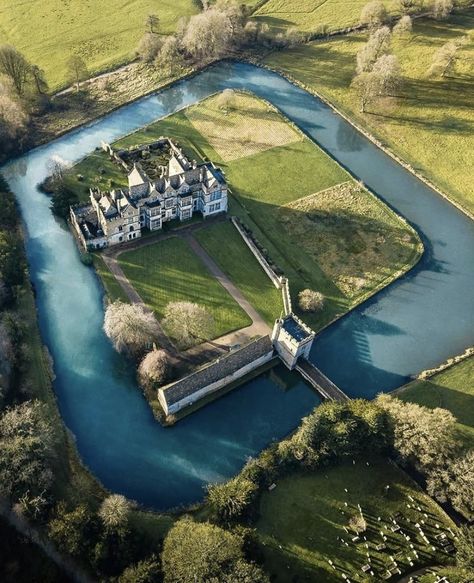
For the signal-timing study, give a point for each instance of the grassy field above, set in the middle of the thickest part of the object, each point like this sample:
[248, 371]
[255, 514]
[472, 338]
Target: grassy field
[226, 247]
[313, 15]
[301, 523]
[431, 124]
[275, 177]
[452, 389]
[104, 34]
[169, 271]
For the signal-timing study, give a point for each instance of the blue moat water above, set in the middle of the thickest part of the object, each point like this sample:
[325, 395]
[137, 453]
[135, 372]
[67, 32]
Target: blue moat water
[415, 323]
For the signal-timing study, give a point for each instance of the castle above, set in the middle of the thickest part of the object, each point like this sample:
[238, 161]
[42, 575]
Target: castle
[182, 189]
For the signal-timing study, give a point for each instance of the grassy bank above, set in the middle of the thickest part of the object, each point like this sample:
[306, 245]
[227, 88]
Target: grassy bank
[431, 123]
[50, 32]
[301, 523]
[341, 240]
[168, 271]
[452, 389]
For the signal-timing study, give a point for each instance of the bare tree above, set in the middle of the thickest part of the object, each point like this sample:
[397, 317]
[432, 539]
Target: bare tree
[152, 21]
[444, 60]
[404, 26]
[189, 323]
[208, 34]
[226, 100]
[389, 73]
[15, 66]
[442, 9]
[377, 45]
[149, 47]
[13, 118]
[373, 14]
[410, 6]
[169, 58]
[114, 512]
[39, 80]
[130, 327]
[154, 368]
[77, 70]
[310, 301]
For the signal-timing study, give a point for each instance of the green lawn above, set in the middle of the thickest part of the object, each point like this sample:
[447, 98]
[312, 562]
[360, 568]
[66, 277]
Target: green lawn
[452, 389]
[225, 245]
[104, 34]
[169, 271]
[301, 519]
[431, 125]
[368, 244]
[112, 287]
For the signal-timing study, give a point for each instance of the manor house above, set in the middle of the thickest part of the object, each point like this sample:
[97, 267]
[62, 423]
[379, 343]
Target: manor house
[182, 189]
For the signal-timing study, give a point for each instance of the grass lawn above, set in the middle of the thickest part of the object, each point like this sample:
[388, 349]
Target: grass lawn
[300, 522]
[452, 389]
[169, 271]
[104, 34]
[371, 243]
[226, 247]
[312, 15]
[112, 287]
[431, 125]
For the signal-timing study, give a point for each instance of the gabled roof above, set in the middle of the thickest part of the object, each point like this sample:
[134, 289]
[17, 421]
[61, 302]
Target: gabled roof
[137, 176]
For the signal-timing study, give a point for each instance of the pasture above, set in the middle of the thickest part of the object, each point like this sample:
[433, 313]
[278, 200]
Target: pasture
[431, 122]
[104, 34]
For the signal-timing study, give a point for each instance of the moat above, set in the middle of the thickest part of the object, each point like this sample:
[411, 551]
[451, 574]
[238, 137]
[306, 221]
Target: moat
[414, 324]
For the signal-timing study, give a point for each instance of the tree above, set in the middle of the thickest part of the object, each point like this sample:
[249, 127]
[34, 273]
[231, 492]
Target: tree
[114, 512]
[169, 58]
[377, 45]
[207, 35]
[373, 14]
[26, 450]
[149, 47]
[444, 60]
[465, 548]
[15, 66]
[403, 27]
[12, 259]
[77, 70]
[226, 100]
[442, 9]
[455, 483]
[154, 368]
[367, 86]
[231, 499]
[389, 75]
[310, 301]
[415, 442]
[410, 6]
[206, 553]
[62, 200]
[152, 21]
[146, 571]
[39, 80]
[130, 327]
[189, 323]
[13, 117]
[73, 531]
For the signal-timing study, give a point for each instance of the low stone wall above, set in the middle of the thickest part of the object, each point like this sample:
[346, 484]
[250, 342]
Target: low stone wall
[215, 376]
[426, 374]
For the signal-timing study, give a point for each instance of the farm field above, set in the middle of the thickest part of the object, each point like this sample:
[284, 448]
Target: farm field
[48, 33]
[431, 124]
[312, 15]
[452, 389]
[301, 523]
[224, 244]
[265, 201]
[169, 271]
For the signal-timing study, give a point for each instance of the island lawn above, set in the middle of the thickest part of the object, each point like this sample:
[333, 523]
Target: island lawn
[452, 389]
[223, 242]
[169, 271]
[301, 519]
[265, 188]
[431, 124]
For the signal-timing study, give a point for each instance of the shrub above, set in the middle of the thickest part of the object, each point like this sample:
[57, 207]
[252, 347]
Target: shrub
[231, 499]
[114, 512]
[310, 301]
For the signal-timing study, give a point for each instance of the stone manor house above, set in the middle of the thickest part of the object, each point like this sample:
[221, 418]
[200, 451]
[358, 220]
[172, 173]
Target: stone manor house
[182, 189]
